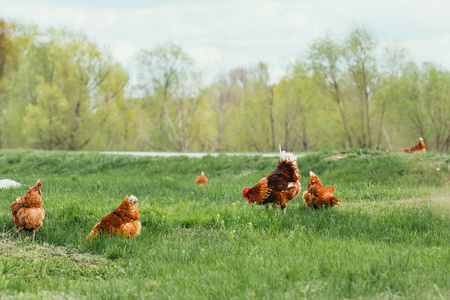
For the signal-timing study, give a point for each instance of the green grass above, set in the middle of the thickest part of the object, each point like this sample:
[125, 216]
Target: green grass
[389, 238]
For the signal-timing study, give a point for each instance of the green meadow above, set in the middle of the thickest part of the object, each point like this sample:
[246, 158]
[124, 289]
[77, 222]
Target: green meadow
[389, 238]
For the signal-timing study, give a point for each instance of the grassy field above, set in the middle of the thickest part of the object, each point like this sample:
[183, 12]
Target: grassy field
[388, 239]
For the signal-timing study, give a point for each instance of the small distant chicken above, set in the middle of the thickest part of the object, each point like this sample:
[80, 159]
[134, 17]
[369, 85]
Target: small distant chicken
[319, 195]
[123, 221]
[280, 186]
[27, 211]
[420, 147]
[202, 180]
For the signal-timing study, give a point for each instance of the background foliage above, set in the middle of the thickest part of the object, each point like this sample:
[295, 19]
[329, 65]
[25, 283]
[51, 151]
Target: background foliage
[61, 91]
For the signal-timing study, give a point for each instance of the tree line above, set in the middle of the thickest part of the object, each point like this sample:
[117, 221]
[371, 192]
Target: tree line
[61, 91]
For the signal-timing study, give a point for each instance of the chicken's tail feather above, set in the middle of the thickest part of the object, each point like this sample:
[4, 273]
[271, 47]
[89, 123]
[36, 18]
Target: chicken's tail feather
[305, 195]
[287, 156]
[307, 198]
[92, 234]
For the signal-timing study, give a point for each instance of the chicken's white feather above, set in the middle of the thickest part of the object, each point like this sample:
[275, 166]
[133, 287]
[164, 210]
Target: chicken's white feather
[287, 156]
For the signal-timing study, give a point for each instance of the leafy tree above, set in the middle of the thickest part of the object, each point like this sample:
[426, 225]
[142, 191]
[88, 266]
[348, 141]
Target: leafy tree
[46, 124]
[303, 113]
[14, 42]
[73, 79]
[326, 57]
[437, 96]
[351, 73]
[360, 49]
[254, 125]
[170, 88]
[388, 93]
[4, 41]
[424, 105]
[224, 94]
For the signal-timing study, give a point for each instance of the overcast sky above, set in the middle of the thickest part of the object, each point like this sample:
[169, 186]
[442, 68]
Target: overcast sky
[221, 35]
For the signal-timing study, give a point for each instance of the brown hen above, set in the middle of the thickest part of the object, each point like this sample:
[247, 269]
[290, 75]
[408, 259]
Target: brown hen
[123, 221]
[202, 180]
[27, 211]
[318, 195]
[420, 147]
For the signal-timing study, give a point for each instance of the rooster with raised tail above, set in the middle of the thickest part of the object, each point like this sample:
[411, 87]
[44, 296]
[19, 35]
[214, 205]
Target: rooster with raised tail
[280, 186]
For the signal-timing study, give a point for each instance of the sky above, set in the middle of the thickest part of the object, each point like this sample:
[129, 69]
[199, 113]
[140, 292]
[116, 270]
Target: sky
[222, 35]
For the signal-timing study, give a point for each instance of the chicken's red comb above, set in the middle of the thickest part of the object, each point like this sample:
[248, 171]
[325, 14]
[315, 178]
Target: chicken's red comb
[245, 191]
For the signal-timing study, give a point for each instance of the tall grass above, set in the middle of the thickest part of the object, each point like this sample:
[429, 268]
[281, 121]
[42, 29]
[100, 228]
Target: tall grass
[387, 239]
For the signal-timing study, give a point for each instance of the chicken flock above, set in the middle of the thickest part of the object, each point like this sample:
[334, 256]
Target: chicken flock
[28, 215]
[278, 188]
